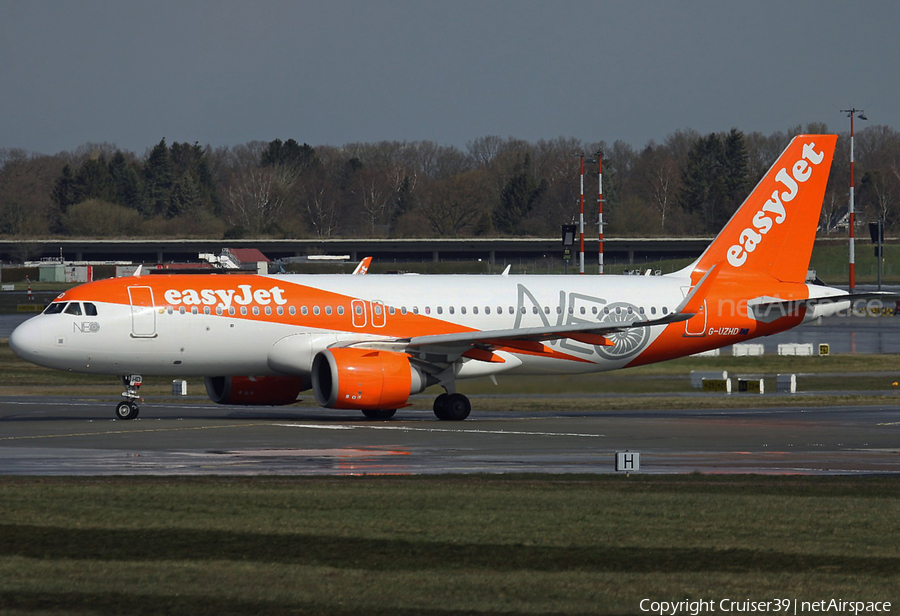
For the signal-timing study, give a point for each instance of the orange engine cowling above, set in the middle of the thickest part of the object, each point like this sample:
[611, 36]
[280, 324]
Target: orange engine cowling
[251, 390]
[348, 378]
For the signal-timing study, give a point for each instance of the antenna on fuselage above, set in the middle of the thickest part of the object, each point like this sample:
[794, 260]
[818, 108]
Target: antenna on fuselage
[137, 272]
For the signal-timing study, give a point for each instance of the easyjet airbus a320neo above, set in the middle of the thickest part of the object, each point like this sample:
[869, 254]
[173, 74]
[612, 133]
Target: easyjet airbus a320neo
[370, 342]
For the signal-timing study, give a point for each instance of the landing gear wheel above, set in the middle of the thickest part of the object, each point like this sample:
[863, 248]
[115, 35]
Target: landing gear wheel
[379, 413]
[440, 406]
[455, 408]
[127, 410]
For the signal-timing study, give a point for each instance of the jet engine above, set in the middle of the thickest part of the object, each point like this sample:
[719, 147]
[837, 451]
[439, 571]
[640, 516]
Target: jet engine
[349, 378]
[254, 390]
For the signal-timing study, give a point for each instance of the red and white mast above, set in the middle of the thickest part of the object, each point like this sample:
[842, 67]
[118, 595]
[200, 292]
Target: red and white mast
[851, 209]
[600, 208]
[581, 222]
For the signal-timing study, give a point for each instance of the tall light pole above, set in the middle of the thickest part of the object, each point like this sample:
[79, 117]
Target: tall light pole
[600, 209]
[852, 213]
[581, 221]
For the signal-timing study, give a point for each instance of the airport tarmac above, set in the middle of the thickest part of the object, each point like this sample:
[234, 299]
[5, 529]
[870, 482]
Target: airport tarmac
[55, 436]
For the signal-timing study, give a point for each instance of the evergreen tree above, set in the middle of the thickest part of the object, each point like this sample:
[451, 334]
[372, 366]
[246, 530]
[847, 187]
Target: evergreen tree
[289, 154]
[703, 180]
[521, 192]
[159, 178]
[63, 190]
[126, 180]
[93, 181]
[192, 179]
[736, 180]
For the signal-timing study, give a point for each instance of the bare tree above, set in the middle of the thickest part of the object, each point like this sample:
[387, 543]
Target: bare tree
[256, 196]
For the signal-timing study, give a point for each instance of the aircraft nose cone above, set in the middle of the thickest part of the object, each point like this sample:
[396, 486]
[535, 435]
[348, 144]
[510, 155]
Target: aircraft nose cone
[24, 340]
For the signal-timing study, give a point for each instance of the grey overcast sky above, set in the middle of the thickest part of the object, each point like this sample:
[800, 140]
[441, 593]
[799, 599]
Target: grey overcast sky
[224, 72]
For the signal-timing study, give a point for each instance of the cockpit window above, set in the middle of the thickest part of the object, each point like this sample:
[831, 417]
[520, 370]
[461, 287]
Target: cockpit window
[90, 309]
[73, 308]
[55, 308]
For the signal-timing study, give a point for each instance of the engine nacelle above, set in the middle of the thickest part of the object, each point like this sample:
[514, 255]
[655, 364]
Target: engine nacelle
[348, 378]
[254, 390]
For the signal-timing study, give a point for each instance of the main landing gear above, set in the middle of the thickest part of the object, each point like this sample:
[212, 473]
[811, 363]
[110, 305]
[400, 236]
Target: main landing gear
[452, 407]
[128, 408]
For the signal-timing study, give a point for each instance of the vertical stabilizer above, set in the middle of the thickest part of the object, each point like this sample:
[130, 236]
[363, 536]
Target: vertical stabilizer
[774, 229]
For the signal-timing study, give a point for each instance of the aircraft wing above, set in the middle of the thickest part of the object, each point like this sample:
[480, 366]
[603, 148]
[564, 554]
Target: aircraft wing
[589, 333]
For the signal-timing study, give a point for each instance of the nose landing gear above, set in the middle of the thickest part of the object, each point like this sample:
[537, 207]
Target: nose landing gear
[128, 408]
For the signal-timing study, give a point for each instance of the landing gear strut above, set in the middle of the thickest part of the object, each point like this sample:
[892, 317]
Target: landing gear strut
[128, 408]
[452, 407]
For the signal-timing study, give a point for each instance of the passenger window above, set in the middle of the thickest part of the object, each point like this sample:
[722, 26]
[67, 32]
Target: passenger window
[74, 308]
[244, 310]
[316, 310]
[181, 310]
[90, 309]
[292, 311]
[415, 310]
[440, 309]
[194, 310]
[341, 310]
[427, 309]
[475, 310]
[487, 310]
[402, 309]
[231, 311]
[462, 310]
[328, 310]
[452, 310]
[219, 310]
[304, 310]
[280, 310]
[206, 310]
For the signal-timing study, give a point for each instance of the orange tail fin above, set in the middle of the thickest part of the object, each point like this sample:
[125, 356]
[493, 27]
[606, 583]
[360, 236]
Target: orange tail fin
[774, 229]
